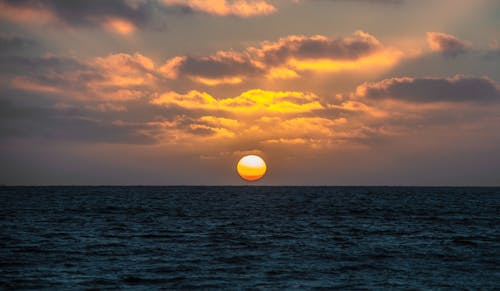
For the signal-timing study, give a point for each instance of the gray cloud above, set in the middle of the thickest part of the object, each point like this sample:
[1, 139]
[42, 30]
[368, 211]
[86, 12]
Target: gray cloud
[14, 44]
[447, 44]
[48, 72]
[71, 123]
[240, 8]
[217, 67]
[422, 90]
[87, 12]
[117, 76]
[368, 1]
[38, 66]
[321, 47]
[492, 54]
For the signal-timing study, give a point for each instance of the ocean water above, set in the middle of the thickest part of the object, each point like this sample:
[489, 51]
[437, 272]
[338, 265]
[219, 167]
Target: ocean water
[147, 238]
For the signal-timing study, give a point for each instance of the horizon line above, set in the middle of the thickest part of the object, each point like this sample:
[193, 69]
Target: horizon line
[233, 185]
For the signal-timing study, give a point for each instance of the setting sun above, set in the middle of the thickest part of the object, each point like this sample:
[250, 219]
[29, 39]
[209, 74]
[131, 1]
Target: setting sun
[251, 168]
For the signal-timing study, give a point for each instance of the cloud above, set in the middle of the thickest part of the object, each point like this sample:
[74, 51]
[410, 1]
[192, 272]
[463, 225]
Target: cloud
[493, 51]
[122, 17]
[247, 103]
[240, 8]
[120, 26]
[317, 47]
[224, 131]
[117, 77]
[284, 59]
[123, 76]
[447, 44]
[366, 1]
[119, 16]
[37, 65]
[69, 123]
[13, 44]
[255, 116]
[429, 90]
[417, 109]
[271, 119]
[100, 98]
[223, 67]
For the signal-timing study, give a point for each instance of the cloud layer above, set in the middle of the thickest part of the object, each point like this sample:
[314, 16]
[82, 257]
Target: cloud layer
[118, 92]
[131, 99]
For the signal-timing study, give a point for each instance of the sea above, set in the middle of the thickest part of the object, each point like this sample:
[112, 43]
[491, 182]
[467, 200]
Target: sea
[249, 238]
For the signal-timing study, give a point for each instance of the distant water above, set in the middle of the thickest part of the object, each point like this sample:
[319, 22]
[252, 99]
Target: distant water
[249, 237]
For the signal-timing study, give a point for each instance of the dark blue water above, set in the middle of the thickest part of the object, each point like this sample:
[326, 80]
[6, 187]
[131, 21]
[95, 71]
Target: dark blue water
[249, 237]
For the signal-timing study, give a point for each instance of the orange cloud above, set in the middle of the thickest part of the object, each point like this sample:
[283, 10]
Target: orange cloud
[125, 70]
[122, 77]
[375, 62]
[284, 58]
[241, 8]
[26, 84]
[249, 102]
[447, 44]
[120, 26]
[298, 119]
[217, 81]
[121, 17]
[311, 126]
[258, 117]
[357, 106]
[25, 13]
[281, 73]
[256, 131]
[117, 77]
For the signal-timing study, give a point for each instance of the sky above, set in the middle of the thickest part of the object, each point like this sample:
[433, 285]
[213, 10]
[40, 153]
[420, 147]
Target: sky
[175, 92]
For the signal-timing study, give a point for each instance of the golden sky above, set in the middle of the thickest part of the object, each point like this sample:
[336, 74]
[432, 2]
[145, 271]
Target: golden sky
[328, 92]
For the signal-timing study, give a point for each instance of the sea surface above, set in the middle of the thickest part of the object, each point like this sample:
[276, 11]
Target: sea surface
[148, 238]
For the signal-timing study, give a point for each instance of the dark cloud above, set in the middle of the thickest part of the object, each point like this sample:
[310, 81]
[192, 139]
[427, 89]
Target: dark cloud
[85, 12]
[447, 44]
[318, 47]
[117, 76]
[47, 72]
[217, 67]
[240, 8]
[422, 90]
[15, 44]
[37, 66]
[492, 54]
[71, 124]
[367, 1]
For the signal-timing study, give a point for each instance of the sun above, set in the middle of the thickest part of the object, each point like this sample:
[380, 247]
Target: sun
[251, 168]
